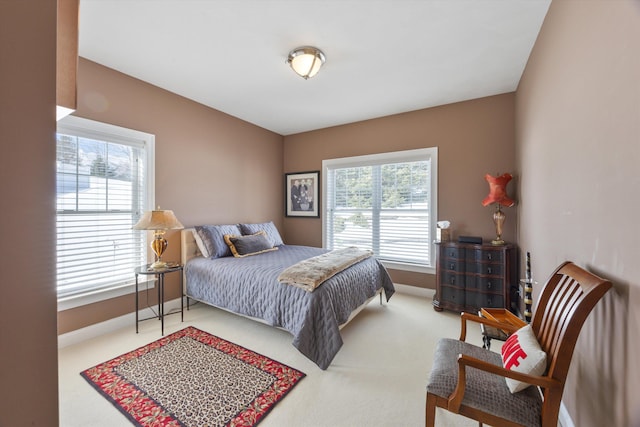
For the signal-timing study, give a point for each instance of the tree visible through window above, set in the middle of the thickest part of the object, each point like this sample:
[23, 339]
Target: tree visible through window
[383, 202]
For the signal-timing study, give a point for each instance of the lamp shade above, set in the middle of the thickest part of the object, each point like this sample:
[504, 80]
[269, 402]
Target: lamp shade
[306, 61]
[158, 220]
[498, 190]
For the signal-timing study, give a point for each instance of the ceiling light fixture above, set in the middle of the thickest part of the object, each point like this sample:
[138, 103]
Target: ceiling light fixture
[306, 61]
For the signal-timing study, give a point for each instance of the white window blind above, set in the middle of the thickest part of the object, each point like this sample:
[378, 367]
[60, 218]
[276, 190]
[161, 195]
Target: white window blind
[102, 190]
[384, 202]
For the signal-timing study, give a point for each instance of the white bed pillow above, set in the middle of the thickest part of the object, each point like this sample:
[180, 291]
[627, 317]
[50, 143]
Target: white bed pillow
[522, 353]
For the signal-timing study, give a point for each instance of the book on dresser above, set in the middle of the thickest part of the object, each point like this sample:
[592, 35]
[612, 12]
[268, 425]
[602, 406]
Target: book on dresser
[474, 276]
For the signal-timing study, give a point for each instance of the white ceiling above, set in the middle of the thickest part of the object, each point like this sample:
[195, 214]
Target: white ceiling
[383, 56]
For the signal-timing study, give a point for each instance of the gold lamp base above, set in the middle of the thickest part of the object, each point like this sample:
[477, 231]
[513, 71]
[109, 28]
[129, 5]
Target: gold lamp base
[498, 220]
[158, 245]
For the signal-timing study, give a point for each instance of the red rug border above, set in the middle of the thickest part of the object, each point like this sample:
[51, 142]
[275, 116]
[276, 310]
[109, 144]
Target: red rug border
[134, 398]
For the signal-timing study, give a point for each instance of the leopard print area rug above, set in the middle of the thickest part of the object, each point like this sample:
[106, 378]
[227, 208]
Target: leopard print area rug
[192, 378]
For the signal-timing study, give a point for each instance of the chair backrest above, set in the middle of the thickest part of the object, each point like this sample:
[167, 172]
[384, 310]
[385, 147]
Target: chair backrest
[564, 304]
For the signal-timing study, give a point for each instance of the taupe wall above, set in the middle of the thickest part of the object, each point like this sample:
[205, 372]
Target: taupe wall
[473, 138]
[29, 352]
[577, 133]
[578, 151]
[211, 168]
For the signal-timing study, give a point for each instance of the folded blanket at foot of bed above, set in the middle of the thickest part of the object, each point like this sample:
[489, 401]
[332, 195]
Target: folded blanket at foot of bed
[312, 272]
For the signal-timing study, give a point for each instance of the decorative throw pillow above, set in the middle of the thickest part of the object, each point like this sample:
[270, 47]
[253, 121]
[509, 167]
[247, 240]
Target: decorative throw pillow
[268, 227]
[212, 239]
[522, 353]
[254, 244]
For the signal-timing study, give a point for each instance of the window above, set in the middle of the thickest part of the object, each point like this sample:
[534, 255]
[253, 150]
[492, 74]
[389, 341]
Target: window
[104, 183]
[384, 202]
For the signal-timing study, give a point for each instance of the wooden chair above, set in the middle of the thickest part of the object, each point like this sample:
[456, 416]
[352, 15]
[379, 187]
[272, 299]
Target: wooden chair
[470, 380]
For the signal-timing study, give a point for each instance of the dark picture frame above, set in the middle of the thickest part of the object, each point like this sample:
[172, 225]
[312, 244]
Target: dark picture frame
[302, 194]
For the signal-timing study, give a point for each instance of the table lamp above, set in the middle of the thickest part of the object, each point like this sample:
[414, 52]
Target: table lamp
[159, 221]
[498, 195]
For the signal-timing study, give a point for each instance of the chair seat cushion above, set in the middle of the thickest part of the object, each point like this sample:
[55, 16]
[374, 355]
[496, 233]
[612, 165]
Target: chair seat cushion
[484, 391]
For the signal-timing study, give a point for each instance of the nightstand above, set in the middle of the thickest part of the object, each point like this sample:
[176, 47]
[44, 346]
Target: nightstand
[159, 273]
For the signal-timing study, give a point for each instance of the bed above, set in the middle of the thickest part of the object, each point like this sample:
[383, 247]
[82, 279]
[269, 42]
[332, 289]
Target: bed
[249, 286]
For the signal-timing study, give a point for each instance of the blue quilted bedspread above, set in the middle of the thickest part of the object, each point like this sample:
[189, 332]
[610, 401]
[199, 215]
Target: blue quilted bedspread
[249, 286]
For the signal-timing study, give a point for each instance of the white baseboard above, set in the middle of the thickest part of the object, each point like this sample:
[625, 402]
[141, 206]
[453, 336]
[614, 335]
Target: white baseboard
[111, 325]
[414, 290]
[564, 419]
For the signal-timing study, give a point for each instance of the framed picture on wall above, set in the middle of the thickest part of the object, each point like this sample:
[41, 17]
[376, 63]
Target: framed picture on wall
[302, 194]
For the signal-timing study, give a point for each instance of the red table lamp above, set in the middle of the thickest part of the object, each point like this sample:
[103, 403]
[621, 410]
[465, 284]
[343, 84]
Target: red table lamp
[498, 195]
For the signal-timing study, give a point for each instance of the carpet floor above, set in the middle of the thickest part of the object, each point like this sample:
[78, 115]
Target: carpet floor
[378, 378]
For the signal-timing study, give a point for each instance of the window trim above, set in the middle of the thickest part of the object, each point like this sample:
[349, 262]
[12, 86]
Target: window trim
[87, 128]
[90, 297]
[380, 159]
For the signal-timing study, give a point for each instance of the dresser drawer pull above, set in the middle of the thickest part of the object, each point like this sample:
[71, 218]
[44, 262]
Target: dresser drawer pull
[453, 280]
[489, 270]
[452, 266]
[489, 256]
[488, 285]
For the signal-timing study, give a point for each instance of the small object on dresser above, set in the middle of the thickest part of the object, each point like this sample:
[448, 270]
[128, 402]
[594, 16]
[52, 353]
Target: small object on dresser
[443, 231]
[470, 239]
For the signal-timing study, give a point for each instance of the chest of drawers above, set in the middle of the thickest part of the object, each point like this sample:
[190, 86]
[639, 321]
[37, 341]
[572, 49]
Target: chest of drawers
[470, 276]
